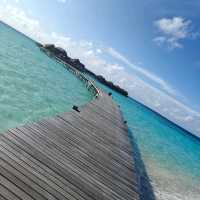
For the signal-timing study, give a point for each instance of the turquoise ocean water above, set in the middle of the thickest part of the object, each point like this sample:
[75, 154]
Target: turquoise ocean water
[171, 155]
[33, 86]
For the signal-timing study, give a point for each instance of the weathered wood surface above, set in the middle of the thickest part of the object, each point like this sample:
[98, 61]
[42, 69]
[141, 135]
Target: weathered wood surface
[84, 155]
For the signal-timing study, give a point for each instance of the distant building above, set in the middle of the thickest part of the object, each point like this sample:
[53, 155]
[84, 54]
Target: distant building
[57, 51]
[77, 64]
[62, 54]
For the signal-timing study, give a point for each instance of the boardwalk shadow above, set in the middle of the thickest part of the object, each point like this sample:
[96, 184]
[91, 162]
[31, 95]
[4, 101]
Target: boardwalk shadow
[146, 189]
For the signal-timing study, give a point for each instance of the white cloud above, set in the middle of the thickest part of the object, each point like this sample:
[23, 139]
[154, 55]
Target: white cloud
[163, 85]
[173, 31]
[18, 19]
[93, 57]
[99, 51]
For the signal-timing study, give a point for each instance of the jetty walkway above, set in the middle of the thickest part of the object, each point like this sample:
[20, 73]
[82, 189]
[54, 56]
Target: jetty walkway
[84, 154]
[75, 155]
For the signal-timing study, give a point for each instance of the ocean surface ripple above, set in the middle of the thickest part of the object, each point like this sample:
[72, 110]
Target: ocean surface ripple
[32, 85]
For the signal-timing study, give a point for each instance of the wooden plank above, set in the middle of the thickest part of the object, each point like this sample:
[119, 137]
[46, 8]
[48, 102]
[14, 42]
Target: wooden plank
[79, 161]
[85, 174]
[73, 155]
[13, 187]
[6, 194]
[35, 164]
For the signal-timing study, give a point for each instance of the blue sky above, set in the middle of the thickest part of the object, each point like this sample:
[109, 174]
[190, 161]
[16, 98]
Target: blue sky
[149, 47]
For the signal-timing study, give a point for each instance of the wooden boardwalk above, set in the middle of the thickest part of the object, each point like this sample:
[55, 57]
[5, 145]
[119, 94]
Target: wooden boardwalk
[74, 155]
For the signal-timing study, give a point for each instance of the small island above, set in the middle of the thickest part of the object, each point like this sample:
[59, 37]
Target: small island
[60, 53]
[109, 84]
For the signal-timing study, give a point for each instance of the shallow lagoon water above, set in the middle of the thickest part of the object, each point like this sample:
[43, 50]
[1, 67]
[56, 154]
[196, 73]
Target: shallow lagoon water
[32, 85]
